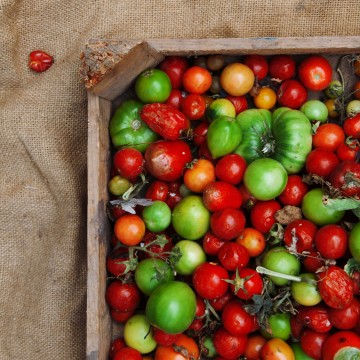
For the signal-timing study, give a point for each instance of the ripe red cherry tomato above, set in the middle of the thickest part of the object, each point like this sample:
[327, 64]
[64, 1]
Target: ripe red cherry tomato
[321, 162]
[212, 244]
[312, 343]
[253, 240]
[247, 284]
[174, 67]
[199, 134]
[294, 191]
[157, 190]
[127, 353]
[233, 256]
[351, 126]
[175, 98]
[227, 345]
[312, 262]
[347, 318]
[292, 94]
[328, 136]
[128, 162]
[193, 106]
[228, 223]
[240, 103]
[348, 150]
[197, 80]
[123, 296]
[40, 61]
[262, 215]
[231, 168]
[345, 177]
[282, 67]
[300, 234]
[315, 72]
[258, 64]
[339, 343]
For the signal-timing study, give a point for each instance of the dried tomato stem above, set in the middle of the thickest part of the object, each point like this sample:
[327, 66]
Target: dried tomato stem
[265, 271]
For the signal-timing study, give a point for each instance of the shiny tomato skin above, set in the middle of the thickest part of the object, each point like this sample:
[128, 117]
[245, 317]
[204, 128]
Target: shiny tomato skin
[276, 349]
[347, 318]
[212, 244]
[227, 345]
[199, 174]
[219, 302]
[300, 234]
[157, 190]
[219, 195]
[338, 178]
[166, 159]
[237, 79]
[115, 346]
[247, 284]
[130, 229]
[328, 136]
[315, 72]
[292, 94]
[163, 338]
[116, 261]
[294, 191]
[127, 353]
[331, 241]
[193, 106]
[227, 223]
[258, 65]
[174, 67]
[253, 347]
[348, 150]
[208, 280]
[175, 98]
[343, 344]
[240, 103]
[233, 256]
[197, 80]
[236, 320]
[282, 67]
[231, 168]
[312, 343]
[321, 162]
[253, 240]
[313, 261]
[200, 131]
[121, 316]
[123, 296]
[128, 162]
[315, 317]
[351, 126]
[262, 215]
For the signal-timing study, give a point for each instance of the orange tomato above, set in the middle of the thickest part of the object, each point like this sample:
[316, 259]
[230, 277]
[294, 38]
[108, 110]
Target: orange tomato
[129, 229]
[265, 98]
[254, 346]
[328, 136]
[200, 174]
[253, 240]
[237, 79]
[168, 353]
[197, 80]
[276, 349]
[332, 108]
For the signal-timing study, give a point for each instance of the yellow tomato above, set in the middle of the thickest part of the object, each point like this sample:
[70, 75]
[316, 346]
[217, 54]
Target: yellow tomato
[265, 99]
[237, 79]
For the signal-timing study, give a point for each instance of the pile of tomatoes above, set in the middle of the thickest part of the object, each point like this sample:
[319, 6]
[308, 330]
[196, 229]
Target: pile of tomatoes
[235, 203]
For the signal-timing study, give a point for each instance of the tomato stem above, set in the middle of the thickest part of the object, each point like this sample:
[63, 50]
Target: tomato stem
[265, 271]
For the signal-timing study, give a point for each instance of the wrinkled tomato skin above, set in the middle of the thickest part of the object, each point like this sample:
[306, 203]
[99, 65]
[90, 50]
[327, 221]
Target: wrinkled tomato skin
[228, 223]
[262, 215]
[233, 256]
[347, 318]
[315, 317]
[227, 345]
[312, 343]
[340, 340]
[292, 94]
[294, 191]
[338, 180]
[321, 162]
[302, 233]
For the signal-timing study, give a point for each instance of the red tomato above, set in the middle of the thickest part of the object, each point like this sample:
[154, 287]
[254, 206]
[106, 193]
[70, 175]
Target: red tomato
[294, 191]
[236, 320]
[197, 80]
[175, 98]
[117, 262]
[193, 106]
[157, 250]
[312, 262]
[219, 195]
[128, 162]
[209, 280]
[321, 162]
[157, 190]
[199, 174]
[166, 159]
[348, 150]
[345, 177]
[240, 103]
[331, 241]
[233, 256]
[282, 67]
[247, 283]
[262, 215]
[219, 303]
[212, 244]
[351, 126]
[163, 338]
[227, 223]
[40, 61]
[231, 168]
[115, 346]
[174, 67]
[312, 343]
[129, 229]
[356, 89]
[200, 131]
[315, 72]
[123, 296]
[258, 64]
[347, 318]
[300, 234]
[253, 240]
[121, 316]
[254, 346]
[328, 136]
[315, 318]
[337, 345]
[127, 353]
[227, 345]
[292, 94]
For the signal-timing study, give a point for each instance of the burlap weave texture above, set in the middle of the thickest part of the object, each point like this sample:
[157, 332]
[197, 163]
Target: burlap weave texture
[43, 141]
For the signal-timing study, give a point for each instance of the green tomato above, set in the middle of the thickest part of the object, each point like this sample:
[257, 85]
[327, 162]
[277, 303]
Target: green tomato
[192, 255]
[157, 216]
[265, 179]
[223, 136]
[280, 260]
[128, 130]
[152, 272]
[353, 108]
[334, 89]
[138, 334]
[354, 242]
[171, 307]
[209, 347]
[190, 218]
[285, 135]
[299, 352]
[315, 110]
[279, 327]
[314, 209]
[153, 85]
[118, 185]
[304, 293]
[220, 107]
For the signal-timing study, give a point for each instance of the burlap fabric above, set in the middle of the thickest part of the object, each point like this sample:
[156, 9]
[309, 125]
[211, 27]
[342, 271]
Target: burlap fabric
[43, 141]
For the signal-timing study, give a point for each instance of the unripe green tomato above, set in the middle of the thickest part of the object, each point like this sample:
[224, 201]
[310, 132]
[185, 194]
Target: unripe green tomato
[192, 255]
[220, 107]
[279, 327]
[353, 108]
[210, 348]
[304, 293]
[138, 334]
[118, 185]
[354, 242]
[157, 216]
[334, 89]
[315, 110]
[280, 260]
[299, 352]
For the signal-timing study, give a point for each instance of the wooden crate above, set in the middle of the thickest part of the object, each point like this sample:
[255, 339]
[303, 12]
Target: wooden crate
[109, 70]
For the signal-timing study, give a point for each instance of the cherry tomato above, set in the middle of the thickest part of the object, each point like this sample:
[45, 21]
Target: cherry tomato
[199, 174]
[212, 244]
[328, 136]
[121, 316]
[300, 235]
[227, 345]
[233, 256]
[237, 79]
[209, 280]
[305, 293]
[40, 61]
[294, 191]
[321, 162]
[219, 302]
[347, 318]
[193, 106]
[341, 345]
[276, 349]
[215, 62]
[197, 80]
[129, 162]
[246, 283]
[117, 262]
[315, 110]
[115, 346]
[292, 94]
[174, 67]
[175, 98]
[157, 190]
[265, 98]
[227, 223]
[345, 177]
[312, 343]
[163, 338]
[123, 296]
[253, 347]
[332, 107]
[315, 72]
[253, 240]
[129, 229]
[240, 103]
[118, 185]
[348, 150]
[262, 215]
[231, 168]
[312, 262]
[258, 65]
[351, 126]
[315, 317]
[282, 67]
[127, 353]
[199, 134]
